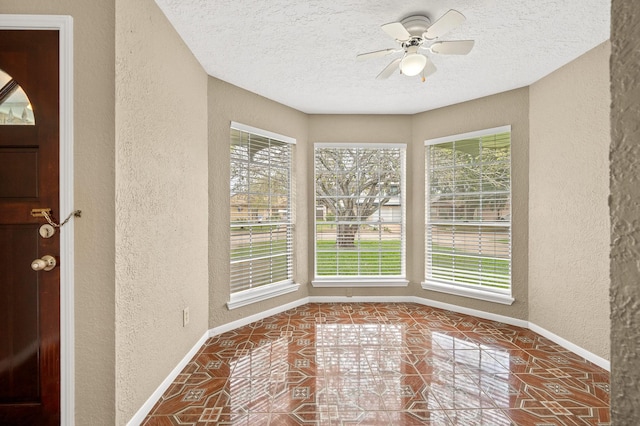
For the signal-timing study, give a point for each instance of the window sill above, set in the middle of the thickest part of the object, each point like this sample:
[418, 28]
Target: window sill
[473, 293]
[360, 282]
[258, 294]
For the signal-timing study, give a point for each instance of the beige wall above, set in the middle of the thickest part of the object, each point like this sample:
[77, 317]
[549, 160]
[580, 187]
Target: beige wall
[354, 129]
[229, 103]
[94, 158]
[161, 202]
[493, 111]
[568, 189]
[624, 201]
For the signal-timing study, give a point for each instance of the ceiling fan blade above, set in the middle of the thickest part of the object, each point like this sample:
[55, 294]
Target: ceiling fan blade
[429, 68]
[459, 47]
[397, 31]
[376, 54]
[446, 23]
[389, 69]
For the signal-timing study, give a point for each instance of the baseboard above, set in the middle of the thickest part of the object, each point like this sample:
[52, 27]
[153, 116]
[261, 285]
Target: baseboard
[140, 415]
[597, 360]
[474, 312]
[360, 299]
[256, 317]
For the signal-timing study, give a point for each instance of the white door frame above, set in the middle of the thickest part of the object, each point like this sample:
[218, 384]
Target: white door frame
[64, 24]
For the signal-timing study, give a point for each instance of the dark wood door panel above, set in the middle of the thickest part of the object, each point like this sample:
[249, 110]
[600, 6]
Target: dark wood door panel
[29, 179]
[19, 370]
[19, 172]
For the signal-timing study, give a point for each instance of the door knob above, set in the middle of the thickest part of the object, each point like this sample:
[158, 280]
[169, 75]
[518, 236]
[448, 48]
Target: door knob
[47, 263]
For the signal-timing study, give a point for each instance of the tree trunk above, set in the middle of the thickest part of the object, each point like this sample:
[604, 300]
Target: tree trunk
[346, 236]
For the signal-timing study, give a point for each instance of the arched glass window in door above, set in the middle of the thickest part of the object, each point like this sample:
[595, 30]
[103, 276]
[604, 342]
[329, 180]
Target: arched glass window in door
[15, 108]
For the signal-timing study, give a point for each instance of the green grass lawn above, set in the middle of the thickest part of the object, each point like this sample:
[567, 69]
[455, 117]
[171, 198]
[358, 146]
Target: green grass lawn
[383, 258]
[367, 258]
[465, 268]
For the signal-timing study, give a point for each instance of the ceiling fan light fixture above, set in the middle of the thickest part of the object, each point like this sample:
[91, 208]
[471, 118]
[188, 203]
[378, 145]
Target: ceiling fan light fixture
[413, 64]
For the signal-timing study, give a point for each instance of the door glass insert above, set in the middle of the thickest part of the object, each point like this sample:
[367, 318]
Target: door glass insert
[15, 108]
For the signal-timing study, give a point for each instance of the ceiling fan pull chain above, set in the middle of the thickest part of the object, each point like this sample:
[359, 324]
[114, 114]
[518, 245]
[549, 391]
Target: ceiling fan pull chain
[75, 213]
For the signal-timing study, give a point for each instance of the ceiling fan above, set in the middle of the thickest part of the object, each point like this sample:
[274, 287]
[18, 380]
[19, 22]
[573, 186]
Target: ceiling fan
[415, 34]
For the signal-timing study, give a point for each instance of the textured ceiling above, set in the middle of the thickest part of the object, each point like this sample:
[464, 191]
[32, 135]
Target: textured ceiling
[302, 53]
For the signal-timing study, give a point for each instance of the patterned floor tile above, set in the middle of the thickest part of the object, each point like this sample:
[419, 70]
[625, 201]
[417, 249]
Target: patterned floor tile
[479, 417]
[383, 364]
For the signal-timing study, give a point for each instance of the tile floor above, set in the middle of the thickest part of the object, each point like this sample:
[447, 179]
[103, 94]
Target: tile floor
[383, 364]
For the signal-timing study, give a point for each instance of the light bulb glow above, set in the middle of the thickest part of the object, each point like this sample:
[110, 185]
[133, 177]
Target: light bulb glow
[413, 63]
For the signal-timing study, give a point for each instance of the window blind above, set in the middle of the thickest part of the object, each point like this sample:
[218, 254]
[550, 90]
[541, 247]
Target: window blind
[360, 211]
[468, 211]
[261, 209]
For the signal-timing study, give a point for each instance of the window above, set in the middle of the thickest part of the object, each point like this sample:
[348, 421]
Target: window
[468, 215]
[359, 214]
[261, 215]
[15, 107]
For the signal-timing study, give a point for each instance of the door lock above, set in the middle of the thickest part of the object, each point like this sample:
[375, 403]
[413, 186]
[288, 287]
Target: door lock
[47, 263]
[47, 231]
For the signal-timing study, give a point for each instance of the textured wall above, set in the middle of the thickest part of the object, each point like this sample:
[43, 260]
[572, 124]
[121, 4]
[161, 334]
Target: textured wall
[94, 91]
[568, 189]
[498, 110]
[624, 206]
[229, 103]
[161, 202]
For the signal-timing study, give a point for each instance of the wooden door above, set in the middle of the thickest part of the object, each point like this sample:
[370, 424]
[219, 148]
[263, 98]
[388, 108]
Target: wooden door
[29, 300]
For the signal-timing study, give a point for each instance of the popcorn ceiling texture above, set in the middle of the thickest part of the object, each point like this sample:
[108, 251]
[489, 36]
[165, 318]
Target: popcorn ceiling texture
[302, 54]
[161, 202]
[625, 213]
[568, 213]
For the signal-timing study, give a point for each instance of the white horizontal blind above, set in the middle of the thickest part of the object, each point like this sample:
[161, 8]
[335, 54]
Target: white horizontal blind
[360, 211]
[261, 215]
[468, 212]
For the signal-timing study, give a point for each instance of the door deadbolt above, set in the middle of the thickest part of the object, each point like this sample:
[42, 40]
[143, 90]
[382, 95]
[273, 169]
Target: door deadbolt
[47, 263]
[47, 231]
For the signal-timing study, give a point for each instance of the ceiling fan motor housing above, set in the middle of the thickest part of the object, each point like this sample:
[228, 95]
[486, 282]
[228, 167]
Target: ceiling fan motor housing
[416, 24]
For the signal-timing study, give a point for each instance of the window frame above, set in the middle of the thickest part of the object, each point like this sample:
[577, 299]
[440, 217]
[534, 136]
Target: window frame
[363, 280]
[267, 291]
[502, 296]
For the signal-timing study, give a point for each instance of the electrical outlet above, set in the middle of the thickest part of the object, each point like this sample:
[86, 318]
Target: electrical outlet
[349, 292]
[185, 317]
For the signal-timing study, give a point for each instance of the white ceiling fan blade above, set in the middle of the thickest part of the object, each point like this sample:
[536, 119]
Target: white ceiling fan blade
[446, 23]
[429, 68]
[389, 69]
[397, 31]
[458, 47]
[376, 54]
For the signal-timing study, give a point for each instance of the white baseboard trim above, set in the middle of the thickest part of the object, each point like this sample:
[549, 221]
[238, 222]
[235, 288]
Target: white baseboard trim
[597, 360]
[256, 317]
[140, 415]
[360, 299]
[476, 313]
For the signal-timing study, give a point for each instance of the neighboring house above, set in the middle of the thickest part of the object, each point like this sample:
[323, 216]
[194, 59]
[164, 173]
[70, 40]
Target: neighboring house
[391, 211]
[444, 208]
[245, 210]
